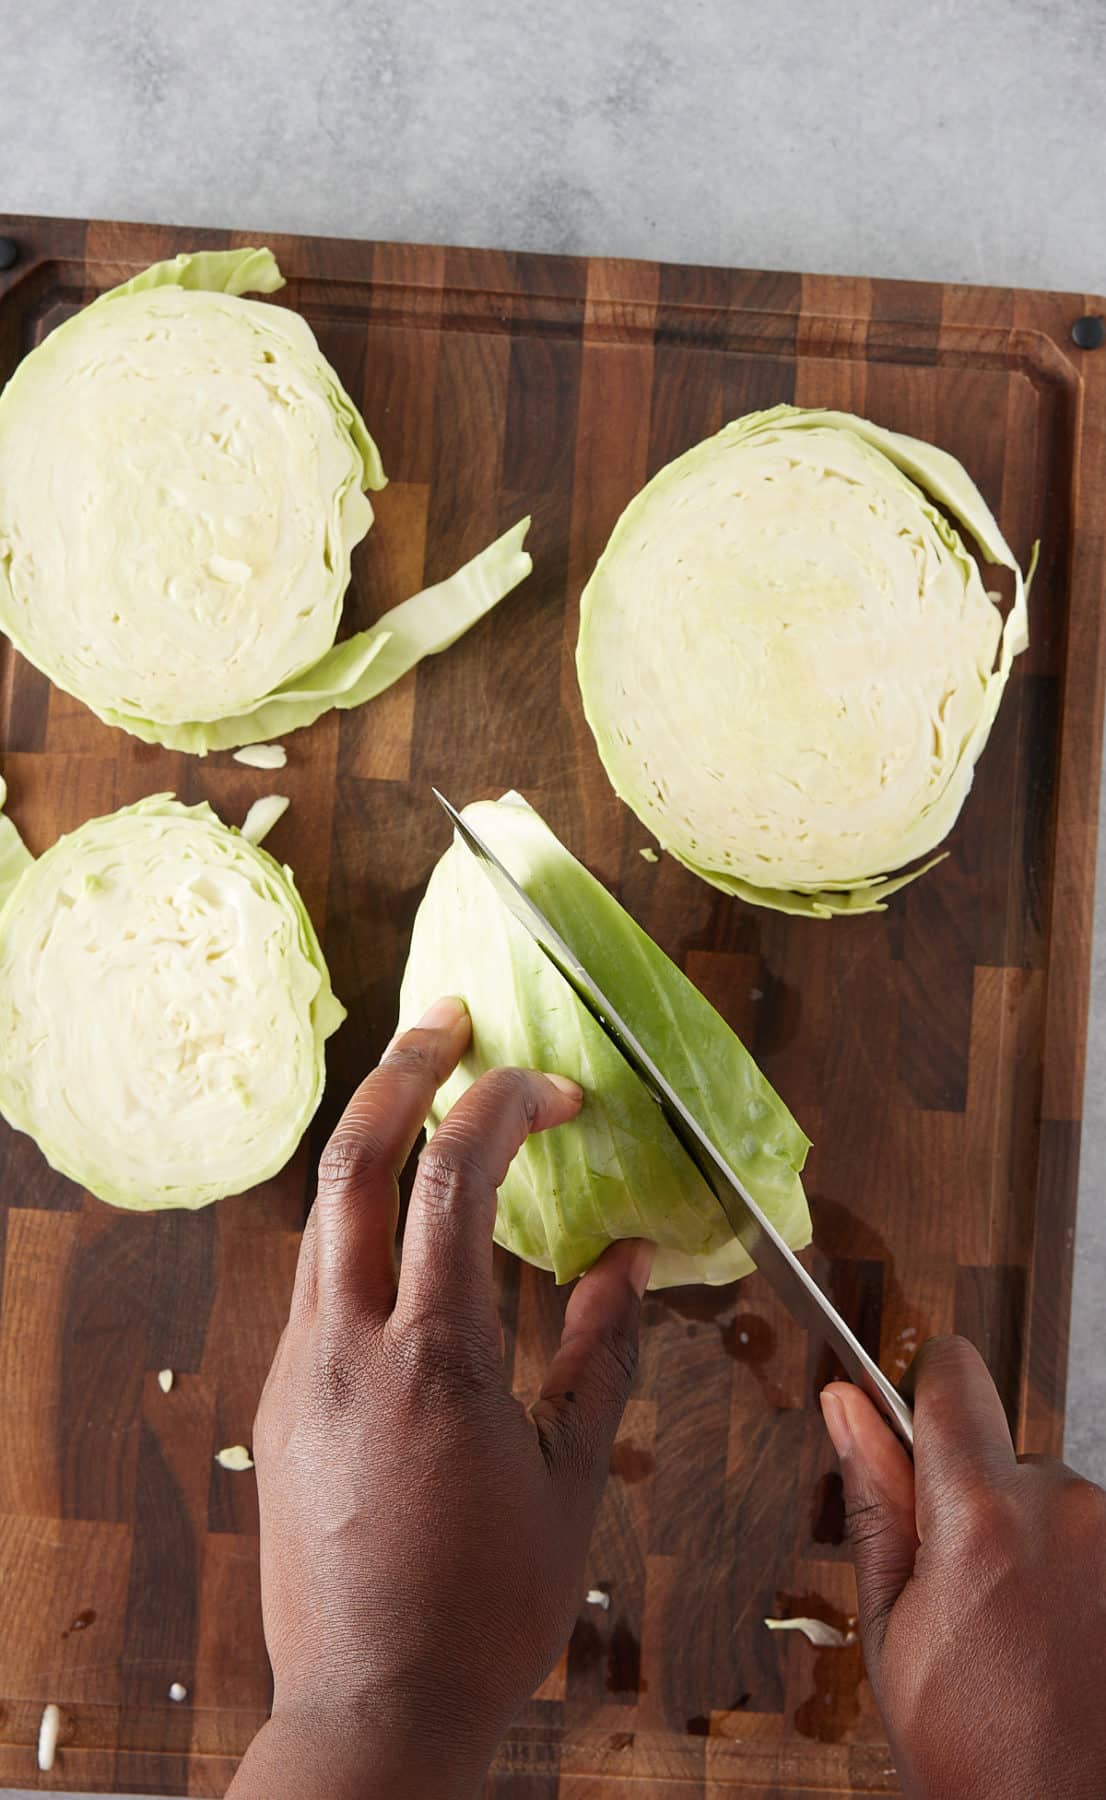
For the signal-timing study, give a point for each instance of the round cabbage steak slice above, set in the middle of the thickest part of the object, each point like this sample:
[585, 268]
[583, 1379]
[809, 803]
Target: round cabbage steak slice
[182, 485]
[164, 1007]
[789, 660]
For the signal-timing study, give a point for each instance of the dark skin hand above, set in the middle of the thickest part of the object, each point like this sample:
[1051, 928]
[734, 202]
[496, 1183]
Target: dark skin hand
[982, 1592]
[423, 1536]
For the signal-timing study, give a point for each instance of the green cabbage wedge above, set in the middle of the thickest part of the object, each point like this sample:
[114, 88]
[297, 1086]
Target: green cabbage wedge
[616, 1171]
[789, 661]
[182, 483]
[164, 1006]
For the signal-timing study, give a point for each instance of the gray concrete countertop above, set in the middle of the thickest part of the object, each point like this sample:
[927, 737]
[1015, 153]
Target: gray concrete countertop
[944, 141]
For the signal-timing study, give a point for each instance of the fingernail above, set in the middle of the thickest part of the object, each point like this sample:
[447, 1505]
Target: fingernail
[444, 1015]
[837, 1421]
[571, 1089]
[641, 1266]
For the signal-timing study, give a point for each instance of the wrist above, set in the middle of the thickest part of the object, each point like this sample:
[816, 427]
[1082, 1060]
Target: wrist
[316, 1753]
[283, 1759]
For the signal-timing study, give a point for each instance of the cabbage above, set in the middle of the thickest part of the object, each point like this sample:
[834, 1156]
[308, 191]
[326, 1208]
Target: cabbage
[262, 756]
[164, 1005]
[14, 854]
[262, 816]
[789, 661]
[816, 1631]
[181, 478]
[615, 1171]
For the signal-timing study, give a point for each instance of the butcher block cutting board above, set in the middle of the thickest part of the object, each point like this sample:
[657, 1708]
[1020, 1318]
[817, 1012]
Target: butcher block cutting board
[934, 1053]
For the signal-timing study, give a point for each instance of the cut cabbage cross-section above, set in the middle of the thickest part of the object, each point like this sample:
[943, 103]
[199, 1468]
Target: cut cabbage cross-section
[789, 660]
[164, 1006]
[615, 1171]
[182, 483]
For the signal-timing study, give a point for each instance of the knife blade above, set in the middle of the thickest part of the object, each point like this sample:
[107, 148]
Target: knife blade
[774, 1258]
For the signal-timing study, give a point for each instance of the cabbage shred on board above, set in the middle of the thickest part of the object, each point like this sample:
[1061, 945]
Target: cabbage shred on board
[164, 1007]
[789, 661]
[14, 854]
[616, 1170]
[182, 483]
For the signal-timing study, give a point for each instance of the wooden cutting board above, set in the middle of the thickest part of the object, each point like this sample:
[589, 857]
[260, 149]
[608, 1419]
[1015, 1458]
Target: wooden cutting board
[935, 1053]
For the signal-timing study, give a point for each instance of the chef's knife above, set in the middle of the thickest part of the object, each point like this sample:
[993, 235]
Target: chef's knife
[779, 1265]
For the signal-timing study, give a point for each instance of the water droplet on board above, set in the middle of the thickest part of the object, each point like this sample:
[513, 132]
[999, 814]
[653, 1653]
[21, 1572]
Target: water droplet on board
[631, 1463]
[82, 1622]
[750, 1339]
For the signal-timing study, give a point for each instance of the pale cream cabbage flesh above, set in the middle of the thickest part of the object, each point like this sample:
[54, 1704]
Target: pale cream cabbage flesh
[262, 816]
[262, 756]
[616, 1171]
[789, 660]
[164, 1006]
[182, 483]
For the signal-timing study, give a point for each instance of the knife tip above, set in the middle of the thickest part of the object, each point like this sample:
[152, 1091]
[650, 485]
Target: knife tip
[450, 811]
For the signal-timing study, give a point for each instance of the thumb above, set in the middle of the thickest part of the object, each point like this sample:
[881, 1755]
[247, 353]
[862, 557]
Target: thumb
[878, 1479]
[588, 1382]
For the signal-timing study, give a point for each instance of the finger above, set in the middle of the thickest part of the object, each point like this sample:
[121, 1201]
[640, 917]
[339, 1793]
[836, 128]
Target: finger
[878, 1480]
[306, 1285]
[585, 1391]
[962, 1444]
[357, 1206]
[446, 1270]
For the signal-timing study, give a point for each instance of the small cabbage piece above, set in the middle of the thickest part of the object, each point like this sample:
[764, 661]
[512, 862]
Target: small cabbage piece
[616, 1170]
[789, 661]
[14, 854]
[816, 1631]
[262, 816]
[164, 1006]
[181, 489]
[262, 756]
[49, 1728]
[235, 1457]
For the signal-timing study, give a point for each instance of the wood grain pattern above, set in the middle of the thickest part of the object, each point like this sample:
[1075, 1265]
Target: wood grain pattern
[935, 1054]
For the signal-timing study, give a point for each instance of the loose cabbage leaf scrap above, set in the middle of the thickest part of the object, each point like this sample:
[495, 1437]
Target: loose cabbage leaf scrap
[14, 854]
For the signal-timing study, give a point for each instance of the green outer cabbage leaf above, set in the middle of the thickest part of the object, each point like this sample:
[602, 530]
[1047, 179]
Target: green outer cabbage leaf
[616, 1171]
[164, 1008]
[205, 271]
[343, 675]
[929, 478]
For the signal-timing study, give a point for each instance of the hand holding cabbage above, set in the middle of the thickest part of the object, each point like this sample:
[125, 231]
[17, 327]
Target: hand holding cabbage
[432, 1527]
[616, 1171]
